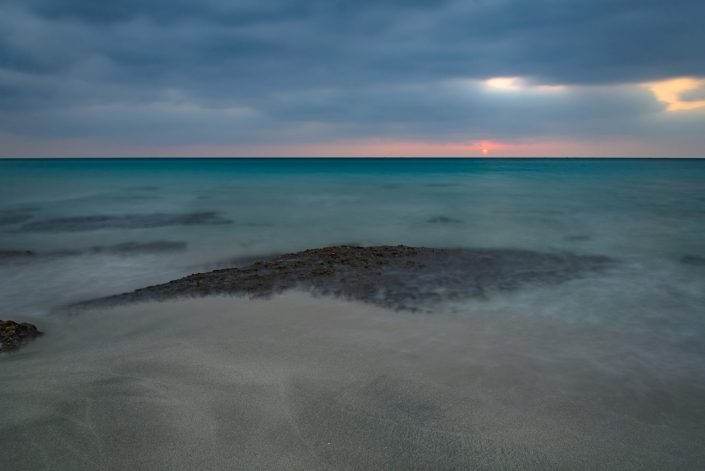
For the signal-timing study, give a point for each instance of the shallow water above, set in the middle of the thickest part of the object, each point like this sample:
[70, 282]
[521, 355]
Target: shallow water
[604, 371]
[648, 212]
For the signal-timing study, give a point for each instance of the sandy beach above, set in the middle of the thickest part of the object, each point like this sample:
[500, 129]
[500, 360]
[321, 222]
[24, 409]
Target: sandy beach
[302, 382]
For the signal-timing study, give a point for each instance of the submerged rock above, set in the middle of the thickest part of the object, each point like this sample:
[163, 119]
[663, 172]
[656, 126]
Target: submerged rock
[693, 260]
[444, 220]
[124, 249]
[14, 334]
[124, 221]
[129, 248]
[577, 238]
[13, 254]
[440, 185]
[13, 217]
[397, 277]
[144, 188]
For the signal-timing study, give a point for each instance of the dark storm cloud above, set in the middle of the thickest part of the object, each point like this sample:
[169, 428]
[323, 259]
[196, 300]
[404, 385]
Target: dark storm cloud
[454, 111]
[556, 40]
[451, 109]
[316, 70]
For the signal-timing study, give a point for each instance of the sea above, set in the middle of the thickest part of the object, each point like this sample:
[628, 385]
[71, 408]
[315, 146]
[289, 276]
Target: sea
[604, 371]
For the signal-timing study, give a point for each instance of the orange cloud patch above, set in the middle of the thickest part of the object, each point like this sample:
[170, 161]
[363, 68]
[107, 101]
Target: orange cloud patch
[671, 92]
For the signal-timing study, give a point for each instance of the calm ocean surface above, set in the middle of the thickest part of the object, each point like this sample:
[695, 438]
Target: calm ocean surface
[625, 347]
[649, 213]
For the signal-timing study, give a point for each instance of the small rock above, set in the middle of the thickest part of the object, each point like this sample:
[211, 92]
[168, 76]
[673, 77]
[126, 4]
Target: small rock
[14, 334]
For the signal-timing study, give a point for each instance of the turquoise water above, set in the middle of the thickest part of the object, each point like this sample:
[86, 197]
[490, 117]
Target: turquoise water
[647, 212]
[606, 371]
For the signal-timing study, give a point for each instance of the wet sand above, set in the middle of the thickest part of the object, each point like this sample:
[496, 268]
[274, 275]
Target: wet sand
[297, 382]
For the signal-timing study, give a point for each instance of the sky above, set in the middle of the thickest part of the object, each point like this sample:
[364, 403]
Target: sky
[352, 78]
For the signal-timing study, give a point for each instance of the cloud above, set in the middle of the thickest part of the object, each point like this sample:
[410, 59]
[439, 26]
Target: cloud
[697, 93]
[249, 72]
[680, 94]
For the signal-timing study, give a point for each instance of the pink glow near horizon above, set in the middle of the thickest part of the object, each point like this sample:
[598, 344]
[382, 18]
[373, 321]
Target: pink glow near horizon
[363, 148]
[485, 148]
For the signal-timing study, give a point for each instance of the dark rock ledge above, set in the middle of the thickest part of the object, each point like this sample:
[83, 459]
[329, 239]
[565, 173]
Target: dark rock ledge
[397, 277]
[14, 334]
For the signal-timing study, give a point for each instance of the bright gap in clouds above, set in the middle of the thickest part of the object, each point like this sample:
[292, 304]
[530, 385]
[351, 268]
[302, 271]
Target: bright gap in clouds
[504, 83]
[519, 84]
[672, 92]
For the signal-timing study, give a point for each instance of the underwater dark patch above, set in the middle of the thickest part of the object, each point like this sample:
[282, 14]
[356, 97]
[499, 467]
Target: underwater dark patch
[443, 220]
[124, 221]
